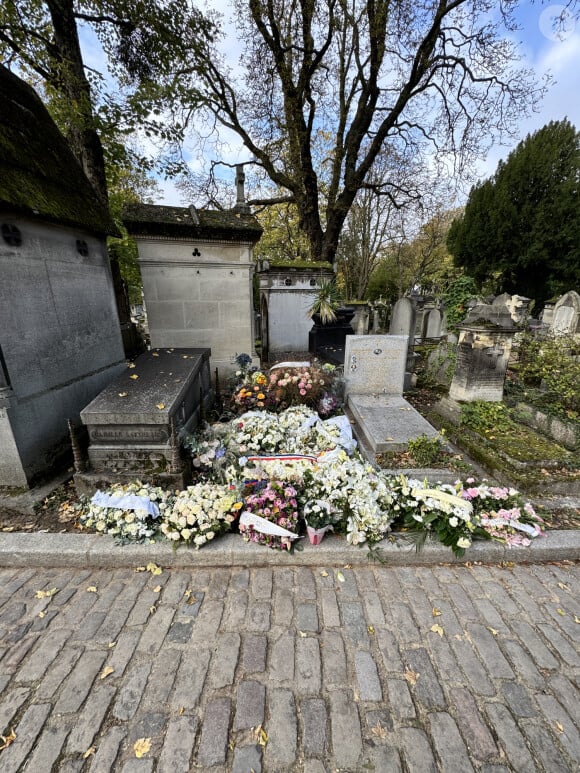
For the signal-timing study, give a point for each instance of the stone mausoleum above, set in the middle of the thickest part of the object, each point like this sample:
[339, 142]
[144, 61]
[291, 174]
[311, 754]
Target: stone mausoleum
[197, 272]
[287, 291]
[60, 340]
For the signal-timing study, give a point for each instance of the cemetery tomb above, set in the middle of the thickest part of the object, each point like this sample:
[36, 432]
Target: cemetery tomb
[374, 370]
[132, 425]
[197, 271]
[60, 338]
[483, 351]
[286, 294]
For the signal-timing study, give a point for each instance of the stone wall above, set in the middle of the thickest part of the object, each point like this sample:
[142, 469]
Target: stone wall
[60, 341]
[202, 300]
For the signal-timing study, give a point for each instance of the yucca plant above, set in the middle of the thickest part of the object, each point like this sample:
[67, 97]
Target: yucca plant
[326, 302]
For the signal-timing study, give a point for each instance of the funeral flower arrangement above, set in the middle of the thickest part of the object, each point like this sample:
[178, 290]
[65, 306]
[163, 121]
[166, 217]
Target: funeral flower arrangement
[276, 469]
[276, 502]
[314, 385]
[422, 510]
[503, 513]
[356, 491]
[201, 513]
[128, 512]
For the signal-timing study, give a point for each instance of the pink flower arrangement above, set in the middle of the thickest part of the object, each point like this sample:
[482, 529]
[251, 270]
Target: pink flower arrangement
[276, 502]
[503, 513]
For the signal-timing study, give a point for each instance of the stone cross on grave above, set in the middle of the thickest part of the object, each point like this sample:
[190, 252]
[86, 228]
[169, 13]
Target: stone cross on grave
[495, 353]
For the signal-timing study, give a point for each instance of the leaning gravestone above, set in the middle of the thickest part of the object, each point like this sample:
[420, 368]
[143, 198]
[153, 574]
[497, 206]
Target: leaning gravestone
[566, 317]
[374, 372]
[132, 425]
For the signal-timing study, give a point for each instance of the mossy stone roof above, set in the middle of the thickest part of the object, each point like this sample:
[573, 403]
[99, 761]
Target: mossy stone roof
[39, 175]
[188, 222]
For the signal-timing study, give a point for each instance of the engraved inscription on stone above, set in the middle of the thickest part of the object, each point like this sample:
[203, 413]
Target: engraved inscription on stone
[145, 434]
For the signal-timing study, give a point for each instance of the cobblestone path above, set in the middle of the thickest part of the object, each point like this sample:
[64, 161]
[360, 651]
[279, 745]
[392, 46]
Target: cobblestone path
[451, 668]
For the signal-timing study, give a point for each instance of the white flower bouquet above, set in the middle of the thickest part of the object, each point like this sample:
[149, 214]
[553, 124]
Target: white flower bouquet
[129, 512]
[201, 513]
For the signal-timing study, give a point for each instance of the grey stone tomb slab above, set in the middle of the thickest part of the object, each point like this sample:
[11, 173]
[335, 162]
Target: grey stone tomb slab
[129, 423]
[386, 423]
[375, 364]
[374, 369]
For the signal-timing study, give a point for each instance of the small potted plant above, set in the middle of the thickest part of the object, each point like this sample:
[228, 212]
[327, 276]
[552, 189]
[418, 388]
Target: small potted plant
[318, 515]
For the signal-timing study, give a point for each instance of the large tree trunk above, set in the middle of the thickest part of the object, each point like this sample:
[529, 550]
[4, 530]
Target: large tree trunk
[82, 134]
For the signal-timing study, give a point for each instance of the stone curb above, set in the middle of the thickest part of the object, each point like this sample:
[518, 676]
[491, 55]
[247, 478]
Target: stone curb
[97, 551]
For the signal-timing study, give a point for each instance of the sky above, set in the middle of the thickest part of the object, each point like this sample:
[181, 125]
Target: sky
[544, 49]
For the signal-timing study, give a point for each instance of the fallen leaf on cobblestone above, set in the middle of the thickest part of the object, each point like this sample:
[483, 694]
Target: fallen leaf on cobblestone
[559, 727]
[7, 739]
[181, 710]
[141, 747]
[161, 406]
[42, 614]
[302, 634]
[435, 612]
[153, 609]
[323, 573]
[492, 630]
[370, 629]
[46, 594]
[157, 589]
[106, 672]
[563, 586]
[561, 612]
[347, 566]
[437, 629]
[130, 364]
[379, 730]
[155, 354]
[92, 589]
[411, 676]
[154, 569]
[134, 376]
[340, 576]
[123, 394]
[260, 735]
[576, 619]
[89, 752]
[112, 644]
[8, 528]
[187, 593]
[141, 569]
